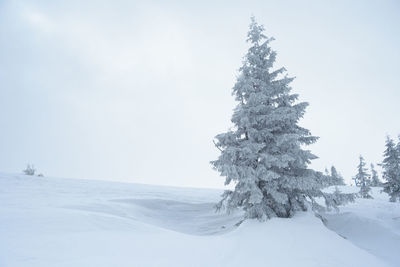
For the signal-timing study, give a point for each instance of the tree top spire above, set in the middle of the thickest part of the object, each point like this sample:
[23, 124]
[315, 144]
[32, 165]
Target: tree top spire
[256, 32]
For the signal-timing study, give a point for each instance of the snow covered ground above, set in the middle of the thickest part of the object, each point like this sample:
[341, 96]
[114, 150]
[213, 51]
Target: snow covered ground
[68, 222]
[373, 225]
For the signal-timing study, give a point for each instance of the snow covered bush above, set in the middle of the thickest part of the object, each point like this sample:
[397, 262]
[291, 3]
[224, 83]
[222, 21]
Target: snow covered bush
[263, 154]
[337, 198]
[29, 170]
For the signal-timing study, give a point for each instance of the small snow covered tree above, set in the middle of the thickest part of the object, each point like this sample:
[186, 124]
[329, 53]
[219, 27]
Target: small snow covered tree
[374, 177]
[362, 179]
[29, 170]
[337, 179]
[332, 178]
[391, 169]
[262, 154]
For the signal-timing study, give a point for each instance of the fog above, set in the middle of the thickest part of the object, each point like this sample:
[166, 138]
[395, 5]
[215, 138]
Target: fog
[136, 91]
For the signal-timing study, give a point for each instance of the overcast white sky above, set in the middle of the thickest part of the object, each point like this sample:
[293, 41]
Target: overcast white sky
[136, 91]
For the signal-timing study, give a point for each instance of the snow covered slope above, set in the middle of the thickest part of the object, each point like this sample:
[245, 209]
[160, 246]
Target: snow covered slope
[373, 225]
[68, 222]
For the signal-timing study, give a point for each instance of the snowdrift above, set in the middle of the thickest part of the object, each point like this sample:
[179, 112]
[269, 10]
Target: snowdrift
[69, 222]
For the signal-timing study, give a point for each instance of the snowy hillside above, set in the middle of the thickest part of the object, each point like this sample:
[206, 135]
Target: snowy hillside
[68, 222]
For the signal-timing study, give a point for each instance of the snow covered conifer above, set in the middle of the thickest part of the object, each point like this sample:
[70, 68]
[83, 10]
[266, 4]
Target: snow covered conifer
[262, 154]
[362, 179]
[337, 179]
[391, 169]
[374, 177]
[332, 178]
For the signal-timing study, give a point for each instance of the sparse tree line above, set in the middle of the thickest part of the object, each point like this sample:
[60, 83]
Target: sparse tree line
[263, 154]
[391, 173]
[333, 178]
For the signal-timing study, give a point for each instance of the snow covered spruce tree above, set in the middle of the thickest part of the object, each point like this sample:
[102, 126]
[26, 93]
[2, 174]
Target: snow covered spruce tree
[332, 178]
[374, 177]
[362, 179]
[336, 178]
[391, 169]
[262, 154]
